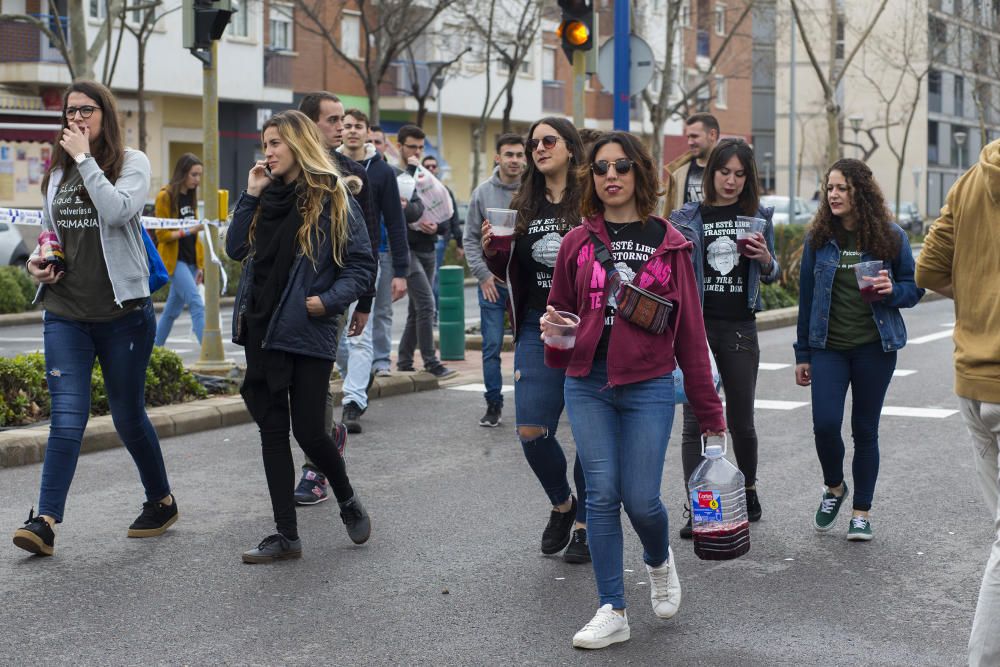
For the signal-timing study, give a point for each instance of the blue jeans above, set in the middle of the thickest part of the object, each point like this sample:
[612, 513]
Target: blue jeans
[354, 358]
[183, 292]
[382, 315]
[868, 370]
[122, 346]
[491, 326]
[538, 399]
[621, 437]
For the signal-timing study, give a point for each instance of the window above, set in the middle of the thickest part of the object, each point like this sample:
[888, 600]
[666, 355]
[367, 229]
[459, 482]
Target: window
[932, 142]
[939, 32]
[281, 23]
[721, 92]
[703, 43]
[839, 45]
[239, 24]
[684, 18]
[934, 90]
[97, 9]
[350, 35]
[548, 63]
[720, 20]
[959, 96]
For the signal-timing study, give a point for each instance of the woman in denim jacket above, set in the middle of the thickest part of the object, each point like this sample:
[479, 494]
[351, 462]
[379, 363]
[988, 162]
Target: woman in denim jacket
[844, 339]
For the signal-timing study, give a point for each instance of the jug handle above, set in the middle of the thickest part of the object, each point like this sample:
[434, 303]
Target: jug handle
[725, 443]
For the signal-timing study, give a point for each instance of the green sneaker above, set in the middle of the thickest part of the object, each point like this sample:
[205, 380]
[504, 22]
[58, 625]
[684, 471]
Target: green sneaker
[829, 505]
[860, 530]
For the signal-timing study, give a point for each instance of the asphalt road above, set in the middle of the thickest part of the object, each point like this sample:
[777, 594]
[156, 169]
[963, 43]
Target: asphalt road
[453, 575]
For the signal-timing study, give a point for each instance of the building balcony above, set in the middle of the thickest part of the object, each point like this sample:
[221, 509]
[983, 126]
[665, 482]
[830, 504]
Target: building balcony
[553, 96]
[278, 69]
[405, 76]
[24, 43]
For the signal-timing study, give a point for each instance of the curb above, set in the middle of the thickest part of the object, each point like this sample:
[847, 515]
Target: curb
[25, 446]
[35, 316]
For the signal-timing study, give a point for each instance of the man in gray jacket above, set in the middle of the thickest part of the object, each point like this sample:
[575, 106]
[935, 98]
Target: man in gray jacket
[493, 193]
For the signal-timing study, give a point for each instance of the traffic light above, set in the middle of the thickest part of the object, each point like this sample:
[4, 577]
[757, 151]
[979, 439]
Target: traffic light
[205, 21]
[576, 30]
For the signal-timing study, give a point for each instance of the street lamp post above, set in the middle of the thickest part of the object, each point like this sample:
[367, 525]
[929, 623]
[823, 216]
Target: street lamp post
[917, 172]
[855, 122]
[767, 171]
[960, 142]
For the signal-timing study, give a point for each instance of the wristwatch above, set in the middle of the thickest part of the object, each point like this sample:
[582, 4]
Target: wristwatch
[81, 157]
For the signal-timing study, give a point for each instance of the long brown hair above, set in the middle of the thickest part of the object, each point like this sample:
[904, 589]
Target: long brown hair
[184, 165]
[647, 185]
[749, 199]
[530, 197]
[317, 182]
[108, 149]
[875, 232]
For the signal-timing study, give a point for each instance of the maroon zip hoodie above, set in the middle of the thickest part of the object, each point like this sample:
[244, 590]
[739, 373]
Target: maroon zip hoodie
[634, 354]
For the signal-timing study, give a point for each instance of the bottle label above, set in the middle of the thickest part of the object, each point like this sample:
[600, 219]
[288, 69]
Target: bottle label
[706, 506]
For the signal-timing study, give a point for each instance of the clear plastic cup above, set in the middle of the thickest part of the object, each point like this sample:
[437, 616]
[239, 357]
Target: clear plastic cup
[863, 270]
[560, 339]
[746, 228]
[503, 221]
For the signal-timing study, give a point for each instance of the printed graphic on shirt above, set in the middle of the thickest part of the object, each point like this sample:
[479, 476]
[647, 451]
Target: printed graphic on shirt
[693, 191]
[536, 253]
[71, 210]
[726, 272]
[546, 249]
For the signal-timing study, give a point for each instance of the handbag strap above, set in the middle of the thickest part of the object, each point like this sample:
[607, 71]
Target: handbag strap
[602, 254]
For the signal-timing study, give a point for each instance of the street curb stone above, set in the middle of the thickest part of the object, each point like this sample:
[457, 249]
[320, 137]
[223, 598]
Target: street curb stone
[35, 316]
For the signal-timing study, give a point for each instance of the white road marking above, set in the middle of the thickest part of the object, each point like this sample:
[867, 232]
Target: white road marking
[33, 339]
[900, 373]
[931, 337]
[477, 387]
[778, 405]
[927, 413]
[768, 366]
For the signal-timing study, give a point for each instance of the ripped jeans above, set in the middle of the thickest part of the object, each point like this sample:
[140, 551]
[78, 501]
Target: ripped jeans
[122, 347]
[538, 399]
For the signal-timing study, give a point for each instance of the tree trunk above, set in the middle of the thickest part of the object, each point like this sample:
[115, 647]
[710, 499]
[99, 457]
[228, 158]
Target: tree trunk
[477, 140]
[421, 112]
[371, 89]
[507, 108]
[141, 95]
[832, 132]
[82, 67]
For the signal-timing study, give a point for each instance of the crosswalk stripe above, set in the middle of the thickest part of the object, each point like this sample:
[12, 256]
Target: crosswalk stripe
[928, 413]
[900, 373]
[770, 366]
[931, 337]
[477, 388]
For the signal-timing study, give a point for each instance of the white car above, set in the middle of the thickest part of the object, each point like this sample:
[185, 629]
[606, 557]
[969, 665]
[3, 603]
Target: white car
[803, 216]
[13, 251]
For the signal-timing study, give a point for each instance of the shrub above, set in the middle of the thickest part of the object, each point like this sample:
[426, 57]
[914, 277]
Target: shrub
[16, 291]
[24, 397]
[167, 381]
[788, 241]
[777, 296]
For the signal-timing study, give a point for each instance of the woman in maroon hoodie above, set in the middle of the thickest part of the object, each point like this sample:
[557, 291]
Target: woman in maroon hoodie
[619, 390]
[548, 206]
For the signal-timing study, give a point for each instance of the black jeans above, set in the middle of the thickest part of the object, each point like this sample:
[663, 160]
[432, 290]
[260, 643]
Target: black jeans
[737, 354]
[304, 404]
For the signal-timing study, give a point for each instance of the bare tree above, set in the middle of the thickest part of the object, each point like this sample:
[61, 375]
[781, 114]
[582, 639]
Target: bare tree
[660, 107]
[421, 78]
[836, 64]
[388, 28]
[480, 128]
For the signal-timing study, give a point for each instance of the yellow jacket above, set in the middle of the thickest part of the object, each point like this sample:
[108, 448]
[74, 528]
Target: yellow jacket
[165, 241]
[674, 181]
[962, 251]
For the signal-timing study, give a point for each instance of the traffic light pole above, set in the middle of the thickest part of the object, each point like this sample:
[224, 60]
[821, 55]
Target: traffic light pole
[579, 78]
[212, 359]
[623, 59]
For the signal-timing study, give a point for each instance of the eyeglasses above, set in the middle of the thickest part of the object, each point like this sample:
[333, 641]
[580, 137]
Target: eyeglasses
[432, 166]
[622, 166]
[85, 112]
[548, 141]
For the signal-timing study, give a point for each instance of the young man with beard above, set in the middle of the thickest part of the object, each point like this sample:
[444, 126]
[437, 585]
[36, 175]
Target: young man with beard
[684, 175]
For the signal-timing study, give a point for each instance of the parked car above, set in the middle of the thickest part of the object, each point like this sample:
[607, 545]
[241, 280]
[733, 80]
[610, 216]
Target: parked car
[802, 215]
[908, 218]
[13, 251]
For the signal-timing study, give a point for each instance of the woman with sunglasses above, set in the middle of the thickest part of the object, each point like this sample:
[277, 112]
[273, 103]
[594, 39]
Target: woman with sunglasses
[619, 384]
[548, 206]
[848, 339]
[98, 308]
[729, 284]
[306, 259]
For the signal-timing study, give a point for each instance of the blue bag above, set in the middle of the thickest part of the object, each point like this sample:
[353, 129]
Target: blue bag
[680, 397]
[158, 276]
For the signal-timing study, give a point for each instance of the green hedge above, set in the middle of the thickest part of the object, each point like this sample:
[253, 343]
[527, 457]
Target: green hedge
[16, 290]
[24, 396]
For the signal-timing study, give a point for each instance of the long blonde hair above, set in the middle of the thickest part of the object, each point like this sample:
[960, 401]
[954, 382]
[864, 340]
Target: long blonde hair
[317, 181]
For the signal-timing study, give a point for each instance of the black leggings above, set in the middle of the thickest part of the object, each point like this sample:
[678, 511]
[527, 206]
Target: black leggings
[304, 403]
[737, 354]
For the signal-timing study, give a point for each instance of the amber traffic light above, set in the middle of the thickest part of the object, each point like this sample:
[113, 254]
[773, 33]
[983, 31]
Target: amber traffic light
[576, 30]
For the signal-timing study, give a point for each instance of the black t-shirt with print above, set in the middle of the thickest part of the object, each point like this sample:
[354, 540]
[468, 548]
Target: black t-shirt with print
[727, 272]
[186, 251]
[632, 244]
[536, 253]
[692, 185]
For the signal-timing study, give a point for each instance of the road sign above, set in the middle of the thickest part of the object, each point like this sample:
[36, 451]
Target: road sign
[640, 68]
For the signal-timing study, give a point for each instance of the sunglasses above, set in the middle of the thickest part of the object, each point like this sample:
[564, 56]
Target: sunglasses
[85, 112]
[622, 166]
[548, 141]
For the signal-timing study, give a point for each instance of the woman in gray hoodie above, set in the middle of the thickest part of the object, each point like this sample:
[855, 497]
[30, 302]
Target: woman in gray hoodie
[97, 306]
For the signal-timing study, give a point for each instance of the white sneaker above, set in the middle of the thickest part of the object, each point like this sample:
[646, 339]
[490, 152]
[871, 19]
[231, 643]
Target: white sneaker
[604, 629]
[665, 587]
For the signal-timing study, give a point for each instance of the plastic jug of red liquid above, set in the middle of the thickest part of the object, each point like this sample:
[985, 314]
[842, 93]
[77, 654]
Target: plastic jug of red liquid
[51, 251]
[719, 522]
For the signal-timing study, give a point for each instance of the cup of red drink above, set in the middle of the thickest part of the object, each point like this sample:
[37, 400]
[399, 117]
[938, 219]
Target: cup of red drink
[559, 336]
[502, 221]
[746, 229]
[866, 272]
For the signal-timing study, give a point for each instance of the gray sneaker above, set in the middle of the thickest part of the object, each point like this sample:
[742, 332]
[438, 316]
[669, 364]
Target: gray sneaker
[354, 516]
[272, 548]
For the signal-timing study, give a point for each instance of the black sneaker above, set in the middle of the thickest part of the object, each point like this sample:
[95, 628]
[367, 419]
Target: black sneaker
[753, 505]
[36, 536]
[556, 535]
[154, 520]
[492, 417]
[272, 548]
[404, 368]
[351, 417]
[687, 531]
[442, 372]
[578, 550]
[354, 516]
[312, 487]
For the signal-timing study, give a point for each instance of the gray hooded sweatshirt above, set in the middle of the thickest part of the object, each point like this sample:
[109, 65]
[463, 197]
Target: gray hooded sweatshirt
[493, 193]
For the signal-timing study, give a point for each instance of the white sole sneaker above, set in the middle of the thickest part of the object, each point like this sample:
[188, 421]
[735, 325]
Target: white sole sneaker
[665, 588]
[605, 629]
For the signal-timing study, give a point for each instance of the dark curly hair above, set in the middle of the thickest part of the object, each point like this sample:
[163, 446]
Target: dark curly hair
[647, 187]
[530, 197]
[875, 230]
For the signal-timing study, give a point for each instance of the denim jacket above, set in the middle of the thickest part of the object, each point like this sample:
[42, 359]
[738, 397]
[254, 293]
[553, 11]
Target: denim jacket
[688, 222]
[816, 288]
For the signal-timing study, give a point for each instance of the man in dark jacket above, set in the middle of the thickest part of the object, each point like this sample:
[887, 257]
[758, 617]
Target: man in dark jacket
[445, 235]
